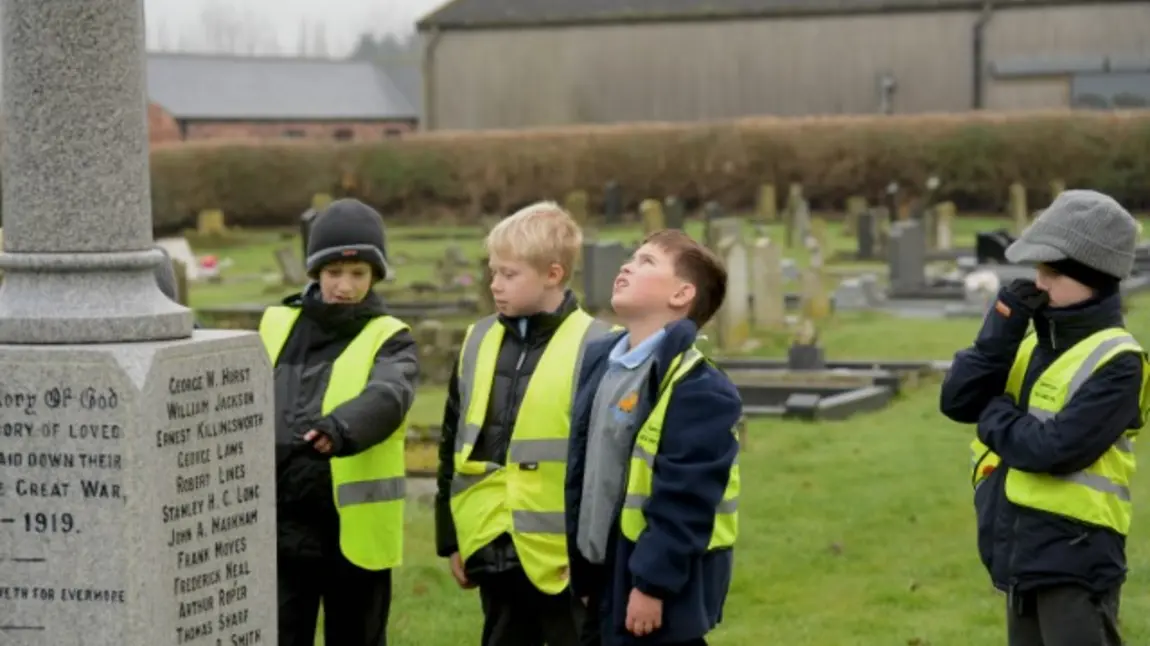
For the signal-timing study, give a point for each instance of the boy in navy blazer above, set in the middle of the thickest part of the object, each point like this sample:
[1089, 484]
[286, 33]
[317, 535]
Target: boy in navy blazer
[652, 484]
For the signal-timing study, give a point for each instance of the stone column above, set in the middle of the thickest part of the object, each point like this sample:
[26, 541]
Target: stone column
[137, 480]
[79, 260]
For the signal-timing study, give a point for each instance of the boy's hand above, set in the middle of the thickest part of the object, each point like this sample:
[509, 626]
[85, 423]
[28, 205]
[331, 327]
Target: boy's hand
[644, 614]
[458, 572]
[319, 441]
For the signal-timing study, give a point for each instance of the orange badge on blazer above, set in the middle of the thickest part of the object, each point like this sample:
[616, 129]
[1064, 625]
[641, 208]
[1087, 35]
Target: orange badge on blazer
[627, 403]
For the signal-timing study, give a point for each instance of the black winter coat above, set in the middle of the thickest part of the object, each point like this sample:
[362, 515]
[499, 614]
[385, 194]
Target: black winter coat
[1025, 548]
[308, 522]
[518, 357]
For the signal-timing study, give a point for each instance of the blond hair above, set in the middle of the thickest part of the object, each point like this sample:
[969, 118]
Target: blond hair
[540, 235]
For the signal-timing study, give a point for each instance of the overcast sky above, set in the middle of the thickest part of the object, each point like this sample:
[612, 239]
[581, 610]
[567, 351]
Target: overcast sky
[274, 26]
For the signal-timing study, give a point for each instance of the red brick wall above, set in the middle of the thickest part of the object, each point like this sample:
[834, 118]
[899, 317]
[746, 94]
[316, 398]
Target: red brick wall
[161, 126]
[359, 131]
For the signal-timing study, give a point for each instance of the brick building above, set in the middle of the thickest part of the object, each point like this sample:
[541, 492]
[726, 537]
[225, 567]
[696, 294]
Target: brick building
[195, 97]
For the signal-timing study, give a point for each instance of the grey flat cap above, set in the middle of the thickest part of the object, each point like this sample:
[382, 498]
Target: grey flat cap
[1085, 226]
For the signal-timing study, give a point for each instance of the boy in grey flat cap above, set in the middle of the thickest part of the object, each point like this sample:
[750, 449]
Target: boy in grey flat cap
[1056, 412]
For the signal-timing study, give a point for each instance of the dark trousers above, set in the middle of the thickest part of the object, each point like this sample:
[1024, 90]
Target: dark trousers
[516, 613]
[590, 633]
[1066, 615]
[356, 603]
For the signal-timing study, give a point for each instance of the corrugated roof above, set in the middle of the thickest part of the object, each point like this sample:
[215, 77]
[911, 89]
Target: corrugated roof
[464, 14]
[206, 87]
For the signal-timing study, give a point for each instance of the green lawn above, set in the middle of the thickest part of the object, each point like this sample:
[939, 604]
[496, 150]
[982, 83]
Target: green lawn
[852, 533]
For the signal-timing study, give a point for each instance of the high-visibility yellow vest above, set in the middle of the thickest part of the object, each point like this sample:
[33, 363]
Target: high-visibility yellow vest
[642, 466]
[1099, 494]
[369, 487]
[524, 498]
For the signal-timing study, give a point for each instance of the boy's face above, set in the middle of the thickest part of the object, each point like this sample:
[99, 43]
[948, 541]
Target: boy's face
[520, 289]
[648, 284]
[345, 281]
[1063, 290]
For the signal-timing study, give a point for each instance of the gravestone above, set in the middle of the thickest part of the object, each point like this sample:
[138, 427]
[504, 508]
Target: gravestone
[674, 213]
[1057, 187]
[601, 264]
[856, 206]
[713, 211]
[815, 300]
[929, 221]
[907, 257]
[719, 228]
[138, 492]
[851, 295]
[990, 247]
[612, 203]
[483, 287]
[292, 272]
[800, 221]
[652, 214]
[576, 206]
[805, 352]
[944, 225]
[1019, 214]
[766, 206]
[768, 296]
[866, 231]
[733, 316]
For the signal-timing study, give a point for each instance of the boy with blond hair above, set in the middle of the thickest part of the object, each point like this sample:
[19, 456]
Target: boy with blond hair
[503, 452]
[652, 486]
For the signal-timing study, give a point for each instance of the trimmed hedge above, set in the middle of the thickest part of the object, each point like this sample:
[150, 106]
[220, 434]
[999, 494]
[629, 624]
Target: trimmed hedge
[425, 176]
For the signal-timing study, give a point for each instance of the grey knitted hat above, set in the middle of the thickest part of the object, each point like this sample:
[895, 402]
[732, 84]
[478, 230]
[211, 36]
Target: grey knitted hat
[1085, 226]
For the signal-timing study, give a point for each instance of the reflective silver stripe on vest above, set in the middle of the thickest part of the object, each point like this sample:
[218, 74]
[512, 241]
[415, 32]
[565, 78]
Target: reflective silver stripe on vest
[637, 500]
[1123, 444]
[366, 491]
[1080, 376]
[1097, 483]
[518, 451]
[465, 433]
[538, 522]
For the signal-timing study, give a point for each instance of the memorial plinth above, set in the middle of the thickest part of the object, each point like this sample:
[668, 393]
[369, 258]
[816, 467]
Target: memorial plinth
[137, 476]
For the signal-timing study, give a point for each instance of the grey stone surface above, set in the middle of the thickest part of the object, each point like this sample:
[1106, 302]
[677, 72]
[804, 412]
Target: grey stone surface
[138, 493]
[866, 232]
[674, 212]
[601, 264]
[78, 232]
[907, 257]
[806, 357]
[850, 295]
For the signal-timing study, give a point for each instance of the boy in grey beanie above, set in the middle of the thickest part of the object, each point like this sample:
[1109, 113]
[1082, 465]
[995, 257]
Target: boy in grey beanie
[1056, 413]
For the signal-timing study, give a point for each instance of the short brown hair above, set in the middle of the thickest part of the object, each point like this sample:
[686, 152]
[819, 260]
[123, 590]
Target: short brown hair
[697, 265]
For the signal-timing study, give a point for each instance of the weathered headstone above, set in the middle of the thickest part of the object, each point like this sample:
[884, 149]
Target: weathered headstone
[292, 272]
[990, 247]
[805, 352]
[815, 301]
[612, 203]
[856, 205]
[483, 287]
[768, 294]
[601, 264]
[800, 221]
[138, 492]
[713, 211]
[716, 229]
[733, 317]
[652, 213]
[576, 205]
[819, 233]
[1057, 187]
[851, 295]
[1019, 214]
[930, 228]
[210, 222]
[766, 206]
[907, 257]
[866, 231]
[945, 213]
[674, 212]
